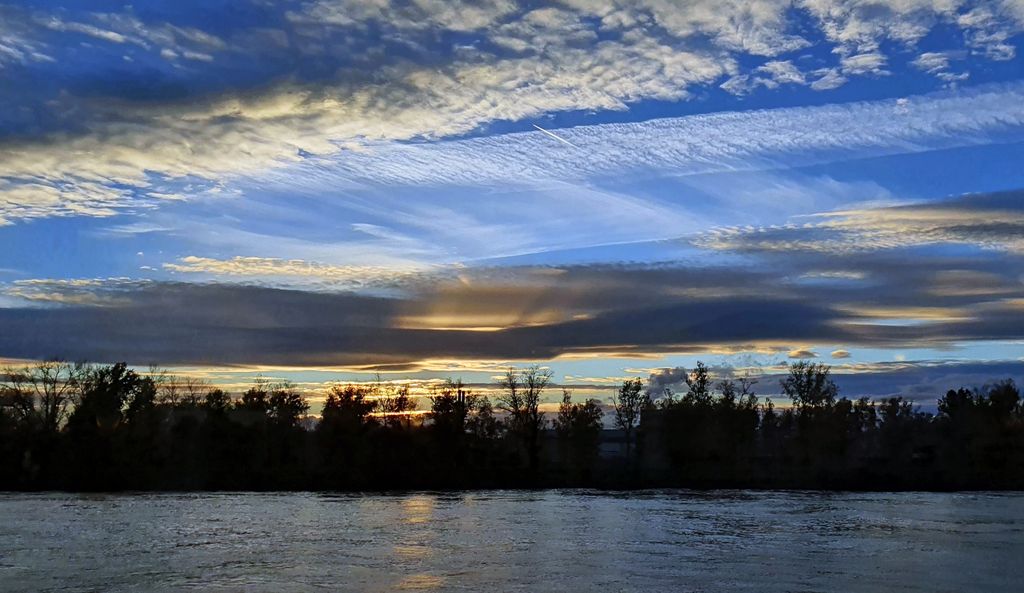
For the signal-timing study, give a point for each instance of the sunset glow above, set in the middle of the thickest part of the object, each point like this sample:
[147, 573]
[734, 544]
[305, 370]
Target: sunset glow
[325, 190]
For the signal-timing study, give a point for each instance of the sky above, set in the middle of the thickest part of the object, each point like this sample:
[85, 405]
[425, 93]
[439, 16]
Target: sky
[329, 190]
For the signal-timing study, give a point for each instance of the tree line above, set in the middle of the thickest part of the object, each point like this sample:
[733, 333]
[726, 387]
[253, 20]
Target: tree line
[109, 427]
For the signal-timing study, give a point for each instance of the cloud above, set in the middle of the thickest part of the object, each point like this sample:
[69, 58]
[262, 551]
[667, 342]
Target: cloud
[692, 144]
[370, 73]
[887, 296]
[168, 40]
[455, 15]
[297, 271]
[124, 144]
[861, 27]
[828, 79]
[409, 228]
[27, 200]
[840, 354]
[667, 379]
[537, 315]
[937, 63]
[932, 62]
[993, 221]
[921, 381]
[57, 24]
[762, 28]
[990, 25]
[771, 75]
[98, 292]
[860, 64]
[16, 45]
[759, 28]
[783, 72]
[802, 353]
[357, 111]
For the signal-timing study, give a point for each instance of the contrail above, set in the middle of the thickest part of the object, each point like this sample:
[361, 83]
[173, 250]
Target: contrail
[556, 136]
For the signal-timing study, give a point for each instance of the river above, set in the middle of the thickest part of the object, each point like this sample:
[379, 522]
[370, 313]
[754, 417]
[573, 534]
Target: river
[494, 541]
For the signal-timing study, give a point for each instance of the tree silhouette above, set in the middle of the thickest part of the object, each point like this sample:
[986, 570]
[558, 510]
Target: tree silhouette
[341, 435]
[347, 407]
[450, 406]
[79, 427]
[520, 399]
[256, 398]
[42, 393]
[578, 426]
[698, 383]
[216, 402]
[630, 402]
[393, 403]
[286, 406]
[483, 424]
[106, 394]
[809, 385]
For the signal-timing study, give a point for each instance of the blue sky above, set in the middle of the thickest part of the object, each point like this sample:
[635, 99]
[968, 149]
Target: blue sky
[330, 189]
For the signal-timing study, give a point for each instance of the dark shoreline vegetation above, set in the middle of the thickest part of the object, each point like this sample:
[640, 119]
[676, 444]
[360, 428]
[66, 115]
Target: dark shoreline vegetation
[77, 427]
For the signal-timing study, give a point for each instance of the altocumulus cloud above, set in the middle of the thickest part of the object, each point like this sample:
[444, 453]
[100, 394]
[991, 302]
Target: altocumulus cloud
[269, 269]
[994, 221]
[238, 100]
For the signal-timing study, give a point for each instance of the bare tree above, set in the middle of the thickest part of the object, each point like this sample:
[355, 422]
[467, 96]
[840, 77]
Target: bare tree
[393, 403]
[566, 412]
[522, 391]
[168, 386]
[194, 391]
[482, 423]
[630, 402]
[737, 393]
[44, 392]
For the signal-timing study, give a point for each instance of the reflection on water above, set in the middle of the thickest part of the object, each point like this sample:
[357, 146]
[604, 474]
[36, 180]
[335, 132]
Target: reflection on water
[418, 508]
[513, 541]
[421, 581]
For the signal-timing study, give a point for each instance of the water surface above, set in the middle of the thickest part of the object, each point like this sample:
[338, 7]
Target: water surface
[514, 541]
